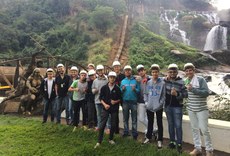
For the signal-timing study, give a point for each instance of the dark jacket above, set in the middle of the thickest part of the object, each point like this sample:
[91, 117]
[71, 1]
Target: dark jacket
[178, 84]
[62, 85]
[89, 95]
[44, 90]
[106, 95]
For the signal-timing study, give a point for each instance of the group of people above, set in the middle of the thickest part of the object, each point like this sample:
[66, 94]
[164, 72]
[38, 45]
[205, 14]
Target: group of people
[143, 96]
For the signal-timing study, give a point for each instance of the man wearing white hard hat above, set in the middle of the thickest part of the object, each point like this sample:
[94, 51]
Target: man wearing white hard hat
[98, 83]
[92, 118]
[175, 93]
[120, 76]
[154, 100]
[60, 67]
[143, 79]
[62, 86]
[130, 89]
[73, 77]
[79, 89]
[110, 97]
[198, 110]
[91, 66]
[47, 90]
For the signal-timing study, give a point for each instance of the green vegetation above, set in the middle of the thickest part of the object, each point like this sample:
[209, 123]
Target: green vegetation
[27, 136]
[64, 27]
[222, 110]
[147, 47]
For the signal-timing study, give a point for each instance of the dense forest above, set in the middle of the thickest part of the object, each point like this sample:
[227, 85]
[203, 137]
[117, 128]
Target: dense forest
[85, 30]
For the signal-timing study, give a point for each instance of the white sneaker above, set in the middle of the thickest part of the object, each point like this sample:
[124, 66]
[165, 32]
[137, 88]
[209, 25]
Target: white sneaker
[75, 128]
[159, 144]
[146, 141]
[97, 145]
[112, 142]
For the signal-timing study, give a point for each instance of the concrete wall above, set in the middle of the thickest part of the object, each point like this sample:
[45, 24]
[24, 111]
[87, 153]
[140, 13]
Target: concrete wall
[220, 131]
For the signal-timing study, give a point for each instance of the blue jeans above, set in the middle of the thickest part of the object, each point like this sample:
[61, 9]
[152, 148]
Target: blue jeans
[70, 109]
[62, 102]
[99, 108]
[174, 117]
[126, 107]
[48, 104]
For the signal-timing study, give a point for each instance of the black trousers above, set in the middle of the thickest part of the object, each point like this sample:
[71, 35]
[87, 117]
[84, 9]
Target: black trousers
[104, 118]
[92, 117]
[150, 116]
[77, 105]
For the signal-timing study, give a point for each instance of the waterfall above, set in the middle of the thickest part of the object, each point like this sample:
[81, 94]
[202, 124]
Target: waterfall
[216, 39]
[174, 26]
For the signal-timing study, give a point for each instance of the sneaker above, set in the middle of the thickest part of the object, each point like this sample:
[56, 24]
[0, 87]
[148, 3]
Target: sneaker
[112, 142]
[84, 128]
[159, 144]
[179, 148]
[172, 145]
[97, 145]
[75, 128]
[195, 152]
[146, 141]
[209, 153]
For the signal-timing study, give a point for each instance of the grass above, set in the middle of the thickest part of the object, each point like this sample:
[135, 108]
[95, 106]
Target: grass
[27, 136]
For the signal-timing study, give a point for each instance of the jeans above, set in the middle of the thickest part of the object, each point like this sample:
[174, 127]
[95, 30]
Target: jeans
[70, 109]
[174, 117]
[130, 106]
[104, 117]
[99, 108]
[92, 118]
[199, 121]
[142, 115]
[150, 116]
[62, 102]
[48, 104]
[77, 105]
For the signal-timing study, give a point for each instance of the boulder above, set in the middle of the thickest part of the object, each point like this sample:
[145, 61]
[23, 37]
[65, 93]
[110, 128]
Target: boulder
[177, 52]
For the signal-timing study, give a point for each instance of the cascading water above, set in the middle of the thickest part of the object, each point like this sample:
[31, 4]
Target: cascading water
[174, 26]
[216, 39]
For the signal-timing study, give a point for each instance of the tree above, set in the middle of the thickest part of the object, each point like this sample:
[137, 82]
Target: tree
[102, 18]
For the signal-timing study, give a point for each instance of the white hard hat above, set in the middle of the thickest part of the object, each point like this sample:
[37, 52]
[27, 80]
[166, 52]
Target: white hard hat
[100, 67]
[49, 70]
[112, 74]
[116, 63]
[188, 65]
[83, 72]
[91, 64]
[74, 68]
[139, 67]
[91, 72]
[155, 66]
[173, 65]
[60, 65]
[127, 67]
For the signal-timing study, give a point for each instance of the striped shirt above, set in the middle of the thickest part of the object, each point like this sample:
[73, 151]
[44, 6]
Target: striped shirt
[197, 97]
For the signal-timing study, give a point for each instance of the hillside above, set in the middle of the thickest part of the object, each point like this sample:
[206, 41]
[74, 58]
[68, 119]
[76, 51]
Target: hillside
[88, 31]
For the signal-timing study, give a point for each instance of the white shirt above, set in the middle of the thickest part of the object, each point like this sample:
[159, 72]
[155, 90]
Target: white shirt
[49, 84]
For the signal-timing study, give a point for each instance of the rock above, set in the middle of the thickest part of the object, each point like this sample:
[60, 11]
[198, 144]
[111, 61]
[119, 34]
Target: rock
[177, 52]
[222, 56]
